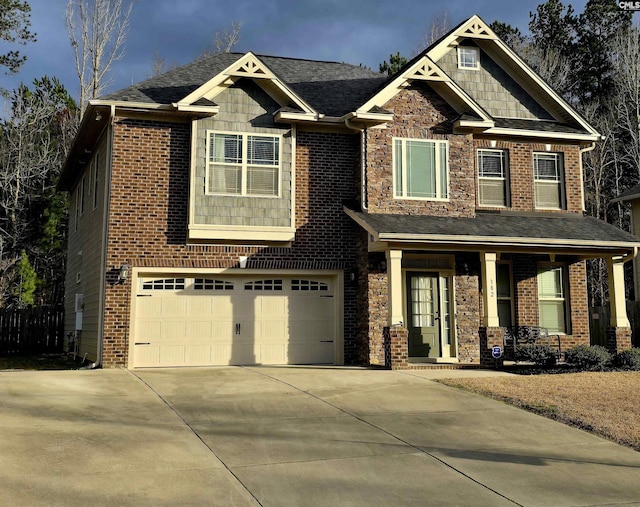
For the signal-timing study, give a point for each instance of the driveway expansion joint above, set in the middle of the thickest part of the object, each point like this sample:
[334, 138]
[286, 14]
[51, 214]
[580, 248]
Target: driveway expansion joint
[371, 425]
[233, 478]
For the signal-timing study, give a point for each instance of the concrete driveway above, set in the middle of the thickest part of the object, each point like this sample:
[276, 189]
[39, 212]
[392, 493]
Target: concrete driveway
[290, 436]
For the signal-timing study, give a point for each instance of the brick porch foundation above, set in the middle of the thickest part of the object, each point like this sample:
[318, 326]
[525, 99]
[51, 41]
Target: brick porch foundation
[396, 347]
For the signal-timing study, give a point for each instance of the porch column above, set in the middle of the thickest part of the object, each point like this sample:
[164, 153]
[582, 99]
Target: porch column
[616, 293]
[394, 281]
[489, 289]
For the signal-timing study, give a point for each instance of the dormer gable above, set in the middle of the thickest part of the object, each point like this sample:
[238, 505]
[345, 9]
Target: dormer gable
[248, 66]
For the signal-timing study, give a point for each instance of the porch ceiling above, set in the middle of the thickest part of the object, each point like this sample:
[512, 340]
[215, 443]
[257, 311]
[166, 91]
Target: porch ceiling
[538, 232]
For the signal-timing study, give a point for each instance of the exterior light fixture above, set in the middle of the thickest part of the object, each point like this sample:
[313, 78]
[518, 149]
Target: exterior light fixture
[124, 273]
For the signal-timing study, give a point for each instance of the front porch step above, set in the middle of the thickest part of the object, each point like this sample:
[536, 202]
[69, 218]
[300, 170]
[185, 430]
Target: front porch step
[441, 366]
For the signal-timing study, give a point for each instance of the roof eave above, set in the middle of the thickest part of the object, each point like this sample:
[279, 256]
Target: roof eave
[543, 134]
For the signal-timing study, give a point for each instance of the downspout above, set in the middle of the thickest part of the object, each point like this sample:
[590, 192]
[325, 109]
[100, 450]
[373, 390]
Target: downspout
[363, 162]
[103, 254]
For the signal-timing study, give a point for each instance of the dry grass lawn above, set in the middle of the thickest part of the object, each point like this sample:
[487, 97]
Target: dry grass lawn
[605, 403]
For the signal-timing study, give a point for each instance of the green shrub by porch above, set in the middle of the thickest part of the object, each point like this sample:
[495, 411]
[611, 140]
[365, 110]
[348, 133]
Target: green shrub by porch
[541, 355]
[594, 357]
[628, 359]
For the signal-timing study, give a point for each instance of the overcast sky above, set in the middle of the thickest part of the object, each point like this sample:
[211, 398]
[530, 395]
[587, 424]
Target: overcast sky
[353, 31]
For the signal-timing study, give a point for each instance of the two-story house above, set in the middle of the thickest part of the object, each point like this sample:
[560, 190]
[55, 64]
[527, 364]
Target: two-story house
[249, 209]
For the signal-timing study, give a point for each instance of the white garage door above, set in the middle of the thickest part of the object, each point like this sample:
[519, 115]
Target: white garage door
[219, 320]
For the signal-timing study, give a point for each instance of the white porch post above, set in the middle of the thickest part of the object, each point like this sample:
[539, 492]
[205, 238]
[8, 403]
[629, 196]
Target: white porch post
[394, 280]
[490, 289]
[616, 293]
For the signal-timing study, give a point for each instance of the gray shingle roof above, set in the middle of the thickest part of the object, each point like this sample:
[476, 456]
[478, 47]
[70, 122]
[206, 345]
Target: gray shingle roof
[540, 229]
[329, 87]
[629, 194]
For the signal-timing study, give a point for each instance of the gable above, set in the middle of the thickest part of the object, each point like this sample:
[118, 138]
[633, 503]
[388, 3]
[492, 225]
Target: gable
[493, 88]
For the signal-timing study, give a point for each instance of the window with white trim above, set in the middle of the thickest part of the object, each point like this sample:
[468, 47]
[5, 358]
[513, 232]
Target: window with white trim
[468, 58]
[243, 164]
[493, 178]
[552, 298]
[420, 169]
[548, 176]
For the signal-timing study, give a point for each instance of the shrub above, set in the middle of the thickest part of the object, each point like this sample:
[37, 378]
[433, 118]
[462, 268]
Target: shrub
[585, 357]
[628, 359]
[541, 355]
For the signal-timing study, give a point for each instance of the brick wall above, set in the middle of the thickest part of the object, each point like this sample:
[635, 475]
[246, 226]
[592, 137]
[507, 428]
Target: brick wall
[520, 156]
[526, 296]
[148, 218]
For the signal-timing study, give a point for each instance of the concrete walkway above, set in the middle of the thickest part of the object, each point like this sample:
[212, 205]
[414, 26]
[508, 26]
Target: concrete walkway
[287, 437]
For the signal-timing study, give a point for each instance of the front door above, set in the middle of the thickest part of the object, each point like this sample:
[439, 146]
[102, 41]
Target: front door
[423, 315]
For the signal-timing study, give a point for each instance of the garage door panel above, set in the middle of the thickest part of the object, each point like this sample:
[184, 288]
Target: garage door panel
[147, 330]
[304, 308]
[311, 330]
[199, 306]
[171, 355]
[222, 307]
[271, 307]
[272, 353]
[172, 331]
[174, 306]
[198, 355]
[272, 331]
[147, 355]
[310, 353]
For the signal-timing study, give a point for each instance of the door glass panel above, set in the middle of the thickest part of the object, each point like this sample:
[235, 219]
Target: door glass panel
[422, 309]
[445, 305]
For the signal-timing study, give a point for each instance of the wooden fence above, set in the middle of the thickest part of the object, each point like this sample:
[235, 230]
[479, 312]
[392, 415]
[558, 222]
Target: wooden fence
[31, 330]
[599, 321]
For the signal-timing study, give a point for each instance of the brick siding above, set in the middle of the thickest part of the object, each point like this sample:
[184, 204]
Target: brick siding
[148, 218]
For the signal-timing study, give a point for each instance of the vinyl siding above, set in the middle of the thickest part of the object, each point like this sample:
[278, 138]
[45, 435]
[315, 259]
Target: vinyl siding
[84, 255]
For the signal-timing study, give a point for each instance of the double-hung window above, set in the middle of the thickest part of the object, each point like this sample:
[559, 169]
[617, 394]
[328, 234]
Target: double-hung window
[420, 169]
[552, 298]
[548, 177]
[243, 164]
[493, 181]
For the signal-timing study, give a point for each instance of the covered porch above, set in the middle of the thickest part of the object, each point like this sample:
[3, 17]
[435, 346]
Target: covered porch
[453, 285]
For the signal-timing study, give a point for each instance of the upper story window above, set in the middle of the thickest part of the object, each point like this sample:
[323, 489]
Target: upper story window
[243, 164]
[420, 169]
[493, 178]
[548, 176]
[468, 58]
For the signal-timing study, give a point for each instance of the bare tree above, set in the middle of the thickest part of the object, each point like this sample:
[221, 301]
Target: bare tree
[627, 107]
[224, 40]
[97, 31]
[440, 24]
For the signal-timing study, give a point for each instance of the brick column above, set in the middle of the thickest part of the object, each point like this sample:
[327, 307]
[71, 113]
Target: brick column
[396, 347]
[489, 338]
[618, 339]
